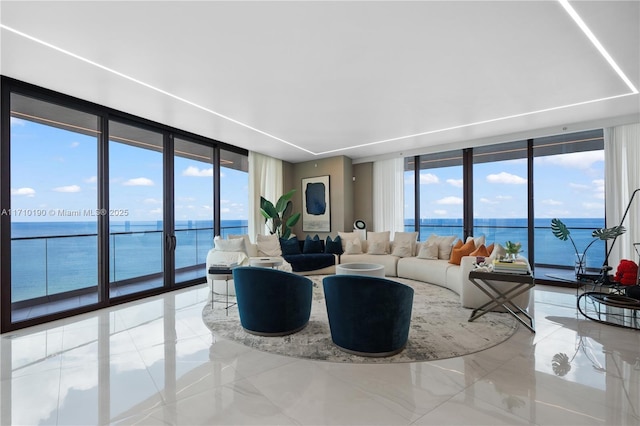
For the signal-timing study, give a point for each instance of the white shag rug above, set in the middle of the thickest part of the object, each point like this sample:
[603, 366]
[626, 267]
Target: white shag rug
[439, 329]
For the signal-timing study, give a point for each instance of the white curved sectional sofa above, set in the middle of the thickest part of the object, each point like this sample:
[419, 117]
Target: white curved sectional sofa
[435, 271]
[432, 271]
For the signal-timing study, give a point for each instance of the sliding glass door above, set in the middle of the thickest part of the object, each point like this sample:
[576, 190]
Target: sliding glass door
[136, 208]
[193, 183]
[53, 205]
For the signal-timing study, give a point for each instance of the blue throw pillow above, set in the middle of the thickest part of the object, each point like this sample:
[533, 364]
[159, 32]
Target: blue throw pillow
[312, 245]
[289, 246]
[333, 246]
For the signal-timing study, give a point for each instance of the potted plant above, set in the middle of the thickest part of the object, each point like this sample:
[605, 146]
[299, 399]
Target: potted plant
[561, 232]
[280, 215]
[512, 249]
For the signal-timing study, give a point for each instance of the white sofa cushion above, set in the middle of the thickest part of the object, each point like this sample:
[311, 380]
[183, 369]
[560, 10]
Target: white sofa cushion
[380, 237]
[268, 245]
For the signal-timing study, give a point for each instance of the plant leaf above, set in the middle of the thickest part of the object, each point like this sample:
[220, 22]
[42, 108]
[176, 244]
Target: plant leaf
[608, 233]
[293, 220]
[283, 201]
[268, 208]
[559, 229]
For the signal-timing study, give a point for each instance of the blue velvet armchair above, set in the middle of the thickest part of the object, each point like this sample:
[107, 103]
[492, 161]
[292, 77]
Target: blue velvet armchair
[272, 302]
[368, 316]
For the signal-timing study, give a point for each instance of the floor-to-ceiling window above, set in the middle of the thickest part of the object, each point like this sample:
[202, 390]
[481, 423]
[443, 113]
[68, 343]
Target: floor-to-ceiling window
[100, 205]
[569, 185]
[135, 213]
[53, 207]
[234, 193]
[194, 179]
[516, 189]
[440, 187]
[500, 193]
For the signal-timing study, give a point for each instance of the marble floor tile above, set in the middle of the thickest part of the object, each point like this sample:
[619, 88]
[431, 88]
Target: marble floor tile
[155, 362]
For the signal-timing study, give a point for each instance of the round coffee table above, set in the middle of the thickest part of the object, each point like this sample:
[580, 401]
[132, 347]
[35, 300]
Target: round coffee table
[265, 262]
[369, 269]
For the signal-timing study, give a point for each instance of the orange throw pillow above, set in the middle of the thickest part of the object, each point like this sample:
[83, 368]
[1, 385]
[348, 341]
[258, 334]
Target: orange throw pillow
[457, 245]
[465, 250]
[490, 248]
[480, 251]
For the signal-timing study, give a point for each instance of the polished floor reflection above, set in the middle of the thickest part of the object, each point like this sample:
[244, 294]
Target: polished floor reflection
[154, 362]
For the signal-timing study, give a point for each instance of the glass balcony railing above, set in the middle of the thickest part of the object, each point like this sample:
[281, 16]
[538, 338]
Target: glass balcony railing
[51, 265]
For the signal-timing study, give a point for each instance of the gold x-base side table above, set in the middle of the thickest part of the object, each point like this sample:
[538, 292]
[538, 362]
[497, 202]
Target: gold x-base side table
[520, 284]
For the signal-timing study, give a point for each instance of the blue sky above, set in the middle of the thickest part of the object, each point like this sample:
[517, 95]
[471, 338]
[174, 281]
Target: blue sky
[54, 170]
[566, 186]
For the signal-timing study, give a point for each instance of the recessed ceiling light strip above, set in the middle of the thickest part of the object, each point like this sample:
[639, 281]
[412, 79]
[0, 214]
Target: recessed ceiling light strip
[477, 123]
[585, 29]
[149, 86]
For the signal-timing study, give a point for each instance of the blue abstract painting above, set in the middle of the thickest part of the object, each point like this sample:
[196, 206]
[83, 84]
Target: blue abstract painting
[316, 208]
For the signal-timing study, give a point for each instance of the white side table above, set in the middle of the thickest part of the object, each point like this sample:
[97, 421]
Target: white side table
[369, 269]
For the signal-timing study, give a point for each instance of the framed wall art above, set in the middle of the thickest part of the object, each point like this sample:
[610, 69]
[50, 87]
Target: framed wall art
[316, 208]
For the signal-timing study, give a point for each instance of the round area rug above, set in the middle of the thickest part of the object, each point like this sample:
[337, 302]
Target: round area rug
[439, 329]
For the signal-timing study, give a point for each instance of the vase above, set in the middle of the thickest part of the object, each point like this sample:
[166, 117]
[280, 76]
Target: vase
[580, 264]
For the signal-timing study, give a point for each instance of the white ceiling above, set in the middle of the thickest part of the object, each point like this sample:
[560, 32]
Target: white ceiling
[307, 80]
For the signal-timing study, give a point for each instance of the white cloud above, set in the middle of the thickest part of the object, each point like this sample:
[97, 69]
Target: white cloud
[440, 212]
[593, 206]
[428, 178]
[225, 210]
[152, 201]
[455, 182]
[579, 186]
[599, 189]
[15, 121]
[194, 171]
[450, 200]
[68, 188]
[487, 201]
[503, 197]
[508, 178]
[551, 202]
[74, 144]
[575, 160]
[28, 192]
[157, 211]
[141, 181]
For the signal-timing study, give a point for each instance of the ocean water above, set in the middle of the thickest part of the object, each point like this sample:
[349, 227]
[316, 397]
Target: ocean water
[549, 250]
[55, 257]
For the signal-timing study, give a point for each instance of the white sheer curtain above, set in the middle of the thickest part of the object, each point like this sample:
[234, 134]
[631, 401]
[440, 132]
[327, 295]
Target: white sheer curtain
[265, 179]
[622, 155]
[388, 195]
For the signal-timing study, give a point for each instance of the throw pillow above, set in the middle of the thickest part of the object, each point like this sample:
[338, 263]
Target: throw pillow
[445, 245]
[268, 245]
[290, 246]
[478, 241]
[498, 252]
[480, 251]
[411, 237]
[490, 248]
[346, 236]
[353, 246]
[250, 249]
[228, 245]
[333, 246]
[402, 249]
[457, 245]
[465, 250]
[380, 237]
[377, 247]
[312, 245]
[428, 251]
